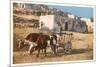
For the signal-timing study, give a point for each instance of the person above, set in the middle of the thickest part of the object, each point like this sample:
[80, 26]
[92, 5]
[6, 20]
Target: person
[53, 43]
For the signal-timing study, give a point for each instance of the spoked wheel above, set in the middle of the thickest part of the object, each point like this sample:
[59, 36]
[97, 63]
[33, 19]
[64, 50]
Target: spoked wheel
[68, 48]
[67, 51]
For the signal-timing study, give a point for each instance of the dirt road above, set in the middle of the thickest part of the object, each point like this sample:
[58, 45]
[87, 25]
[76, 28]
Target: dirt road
[76, 54]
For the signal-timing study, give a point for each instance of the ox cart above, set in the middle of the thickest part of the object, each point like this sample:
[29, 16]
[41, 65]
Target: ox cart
[64, 41]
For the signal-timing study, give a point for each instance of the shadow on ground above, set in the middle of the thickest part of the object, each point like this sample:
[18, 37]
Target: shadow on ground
[73, 52]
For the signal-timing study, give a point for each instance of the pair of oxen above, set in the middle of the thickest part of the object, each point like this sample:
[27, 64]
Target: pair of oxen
[40, 41]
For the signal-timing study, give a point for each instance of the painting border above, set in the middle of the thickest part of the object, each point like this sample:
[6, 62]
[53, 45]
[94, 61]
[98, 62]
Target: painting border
[51, 3]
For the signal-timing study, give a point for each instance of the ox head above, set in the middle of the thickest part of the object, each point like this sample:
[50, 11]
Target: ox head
[21, 43]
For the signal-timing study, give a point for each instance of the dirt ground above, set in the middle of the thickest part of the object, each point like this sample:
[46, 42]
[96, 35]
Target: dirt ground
[82, 49]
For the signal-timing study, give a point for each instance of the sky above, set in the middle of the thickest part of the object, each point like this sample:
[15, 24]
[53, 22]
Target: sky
[86, 12]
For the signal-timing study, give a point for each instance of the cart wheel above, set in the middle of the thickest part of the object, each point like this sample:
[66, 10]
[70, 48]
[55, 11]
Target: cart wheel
[68, 48]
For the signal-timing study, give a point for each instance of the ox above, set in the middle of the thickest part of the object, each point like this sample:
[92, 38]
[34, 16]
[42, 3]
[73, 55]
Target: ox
[36, 41]
[42, 42]
[29, 40]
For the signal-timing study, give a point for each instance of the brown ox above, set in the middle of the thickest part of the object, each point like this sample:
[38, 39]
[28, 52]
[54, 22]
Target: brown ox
[42, 43]
[36, 41]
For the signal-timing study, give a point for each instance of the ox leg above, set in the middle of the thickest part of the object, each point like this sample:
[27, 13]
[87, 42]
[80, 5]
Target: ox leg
[38, 52]
[55, 47]
[42, 50]
[45, 52]
[30, 49]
